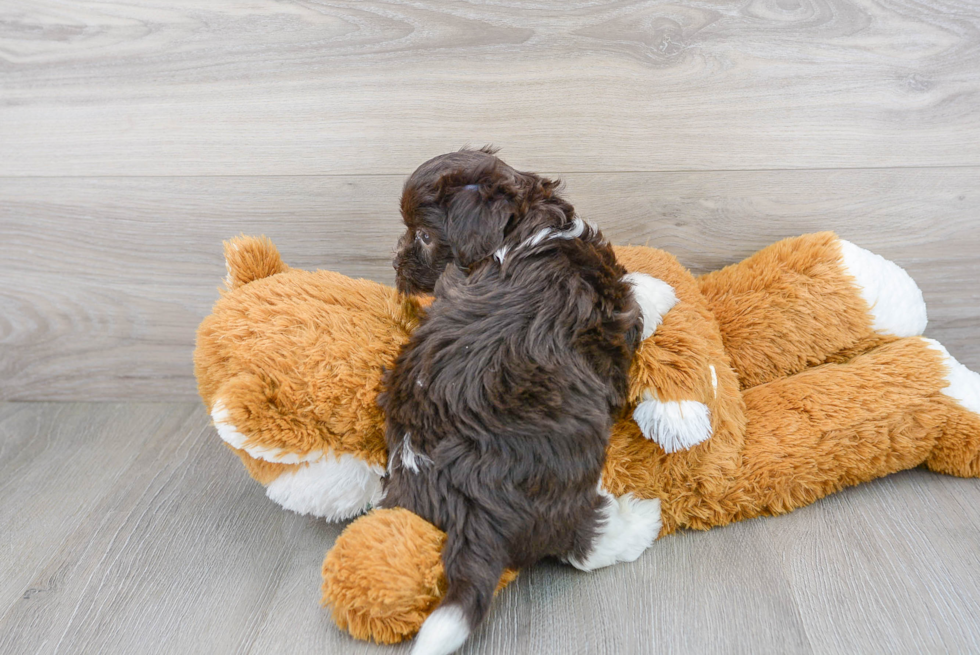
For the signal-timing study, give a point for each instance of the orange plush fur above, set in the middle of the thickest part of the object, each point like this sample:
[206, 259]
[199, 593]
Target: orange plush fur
[805, 398]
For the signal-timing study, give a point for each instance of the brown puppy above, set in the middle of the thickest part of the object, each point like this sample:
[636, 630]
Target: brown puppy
[426, 247]
[499, 408]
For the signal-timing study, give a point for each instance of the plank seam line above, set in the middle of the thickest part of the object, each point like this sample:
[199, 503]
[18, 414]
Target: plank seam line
[607, 172]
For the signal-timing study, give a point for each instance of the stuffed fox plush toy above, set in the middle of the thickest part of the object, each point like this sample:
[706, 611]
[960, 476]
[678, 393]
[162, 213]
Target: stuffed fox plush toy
[758, 389]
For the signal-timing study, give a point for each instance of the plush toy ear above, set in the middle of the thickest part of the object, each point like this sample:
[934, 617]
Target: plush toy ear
[251, 258]
[476, 222]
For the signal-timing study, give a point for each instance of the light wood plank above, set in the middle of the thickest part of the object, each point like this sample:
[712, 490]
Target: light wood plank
[179, 553]
[105, 279]
[150, 87]
[134, 530]
[849, 559]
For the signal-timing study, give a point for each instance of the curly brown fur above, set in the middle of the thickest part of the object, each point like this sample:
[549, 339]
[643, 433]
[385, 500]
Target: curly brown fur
[499, 408]
[427, 246]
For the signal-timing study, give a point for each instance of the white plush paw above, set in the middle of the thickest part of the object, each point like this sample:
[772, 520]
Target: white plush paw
[674, 424]
[964, 384]
[335, 488]
[630, 525]
[326, 485]
[895, 301]
[655, 298]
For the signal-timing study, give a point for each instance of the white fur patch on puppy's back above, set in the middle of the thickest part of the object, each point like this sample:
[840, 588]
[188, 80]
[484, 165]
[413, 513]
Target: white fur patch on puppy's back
[655, 298]
[410, 459]
[443, 632]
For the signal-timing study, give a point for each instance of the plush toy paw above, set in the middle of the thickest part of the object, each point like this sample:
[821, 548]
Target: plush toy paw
[894, 299]
[320, 482]
[964, 384]
[655, 298]
[631, 525]
[674, 425]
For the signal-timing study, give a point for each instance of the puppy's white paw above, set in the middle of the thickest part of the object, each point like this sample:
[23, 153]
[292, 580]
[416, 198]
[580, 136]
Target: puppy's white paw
[894, 299]
[630, 525]
[675, 425]
[655, 298]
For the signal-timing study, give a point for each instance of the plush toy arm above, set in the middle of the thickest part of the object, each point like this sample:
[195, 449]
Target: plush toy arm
[673, 380]
[672, 383]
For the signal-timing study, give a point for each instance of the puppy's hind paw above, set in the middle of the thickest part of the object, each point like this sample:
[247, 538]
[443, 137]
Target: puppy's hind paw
[675, 424]
[630, 526]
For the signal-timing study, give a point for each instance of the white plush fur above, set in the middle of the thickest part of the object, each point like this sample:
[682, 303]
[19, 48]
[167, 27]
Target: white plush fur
[230, 435]
[896, 303]
[331, 486]
[442, 633]
[964, 384]
[655, 298]
[630, 525]
[335, 488]
[675, 424]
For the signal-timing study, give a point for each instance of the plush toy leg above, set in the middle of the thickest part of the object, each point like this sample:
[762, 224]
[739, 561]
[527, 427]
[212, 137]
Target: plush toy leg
[384, 575]
[841, 424]
[957, 451]
[801, 301]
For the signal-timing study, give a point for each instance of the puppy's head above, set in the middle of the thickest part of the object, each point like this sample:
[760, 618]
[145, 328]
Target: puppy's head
[461, 207]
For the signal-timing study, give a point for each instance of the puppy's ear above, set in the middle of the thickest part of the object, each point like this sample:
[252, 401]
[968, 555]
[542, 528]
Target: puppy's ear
[476, 222]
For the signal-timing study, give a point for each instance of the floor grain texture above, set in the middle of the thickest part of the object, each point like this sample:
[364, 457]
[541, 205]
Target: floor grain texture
[128, 527]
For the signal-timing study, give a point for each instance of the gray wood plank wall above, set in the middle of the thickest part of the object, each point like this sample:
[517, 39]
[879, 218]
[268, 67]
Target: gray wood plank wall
[135, 136]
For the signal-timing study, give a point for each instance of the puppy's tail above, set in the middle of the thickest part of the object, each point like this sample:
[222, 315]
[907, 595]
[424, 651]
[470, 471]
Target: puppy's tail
[472, 572]
[251, 258]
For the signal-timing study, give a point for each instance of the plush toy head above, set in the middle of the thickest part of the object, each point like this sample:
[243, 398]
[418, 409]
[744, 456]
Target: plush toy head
[289, 365]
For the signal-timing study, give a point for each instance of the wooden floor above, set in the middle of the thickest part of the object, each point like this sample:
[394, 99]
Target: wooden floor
[129, 528]
[135, 135]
